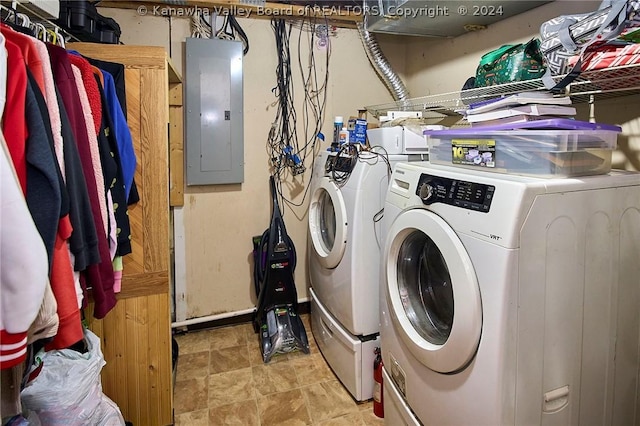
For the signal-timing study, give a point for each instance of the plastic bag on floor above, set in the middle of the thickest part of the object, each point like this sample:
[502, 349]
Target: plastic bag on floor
[68, 391]
[27, 418]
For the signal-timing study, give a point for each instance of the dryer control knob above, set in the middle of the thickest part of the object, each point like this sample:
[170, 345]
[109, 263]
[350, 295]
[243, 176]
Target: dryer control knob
[425, 191]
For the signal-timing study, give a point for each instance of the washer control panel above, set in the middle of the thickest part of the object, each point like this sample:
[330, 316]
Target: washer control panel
[459, 193]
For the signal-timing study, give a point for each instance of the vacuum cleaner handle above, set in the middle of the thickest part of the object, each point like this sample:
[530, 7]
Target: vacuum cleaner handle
[278, 238]
[274, 193]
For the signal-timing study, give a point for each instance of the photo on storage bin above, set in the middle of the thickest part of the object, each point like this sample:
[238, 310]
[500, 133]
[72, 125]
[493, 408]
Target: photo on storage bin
[480, 152]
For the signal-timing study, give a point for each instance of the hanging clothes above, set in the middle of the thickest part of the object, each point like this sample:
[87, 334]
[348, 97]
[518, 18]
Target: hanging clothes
[49, 93]
[44, 180]
[83, 242]
[95, 169]
[3, 75]
[118, 111]
[24, 260]
[122, 133]
[71, 154]
[99, 277]
[14, 126]
[44, 194]
[112, 166]
[43, 186]
[116, 72]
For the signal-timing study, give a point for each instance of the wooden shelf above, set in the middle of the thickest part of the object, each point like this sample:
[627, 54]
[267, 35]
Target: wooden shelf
[591, 85]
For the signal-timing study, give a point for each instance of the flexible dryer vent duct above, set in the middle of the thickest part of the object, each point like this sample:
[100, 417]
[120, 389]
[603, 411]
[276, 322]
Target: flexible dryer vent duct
[381, 65]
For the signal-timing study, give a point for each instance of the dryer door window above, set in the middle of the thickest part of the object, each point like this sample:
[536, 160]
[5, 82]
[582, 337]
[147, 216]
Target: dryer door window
[432, 291]
[328, 223]
[424, 284]
[327, 219]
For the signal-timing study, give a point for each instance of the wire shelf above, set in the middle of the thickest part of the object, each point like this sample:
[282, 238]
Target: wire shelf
[590, 85]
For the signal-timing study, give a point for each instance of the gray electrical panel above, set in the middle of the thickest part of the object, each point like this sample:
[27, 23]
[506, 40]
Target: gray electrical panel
[214, 129]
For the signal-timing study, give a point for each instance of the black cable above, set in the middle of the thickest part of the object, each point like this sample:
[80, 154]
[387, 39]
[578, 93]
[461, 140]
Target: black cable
[315, 94]
[312, 112]
[170, 37]
[232, 30]
[383, 155]
[282, 136]
[340, 177]
[204, 21]
[285, 151]
[235, 26]
[377, 217]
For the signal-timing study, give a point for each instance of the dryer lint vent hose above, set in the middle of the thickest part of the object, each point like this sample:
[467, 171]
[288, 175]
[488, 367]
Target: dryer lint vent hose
[381, 65]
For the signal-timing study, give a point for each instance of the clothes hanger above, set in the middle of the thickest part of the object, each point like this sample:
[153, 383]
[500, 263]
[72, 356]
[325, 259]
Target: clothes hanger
[24, 20]
[59, 38]
[51, 36]
[22, 23]
[9, 15]
[17, 21]
[40, 31]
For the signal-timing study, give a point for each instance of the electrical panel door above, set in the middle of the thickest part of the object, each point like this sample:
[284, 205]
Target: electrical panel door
[214, 117]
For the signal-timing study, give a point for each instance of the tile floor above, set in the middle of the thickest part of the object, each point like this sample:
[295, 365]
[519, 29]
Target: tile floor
[221, 380]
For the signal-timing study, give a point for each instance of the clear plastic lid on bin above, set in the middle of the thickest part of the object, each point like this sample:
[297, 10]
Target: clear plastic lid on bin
[546, 148]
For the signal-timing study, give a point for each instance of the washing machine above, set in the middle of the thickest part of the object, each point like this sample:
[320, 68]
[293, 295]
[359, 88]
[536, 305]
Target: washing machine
[509, 300]
[346, 206]
[347, 196]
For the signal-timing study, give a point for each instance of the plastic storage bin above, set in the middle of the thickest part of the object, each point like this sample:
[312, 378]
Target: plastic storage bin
[81, 18]
[540, 153]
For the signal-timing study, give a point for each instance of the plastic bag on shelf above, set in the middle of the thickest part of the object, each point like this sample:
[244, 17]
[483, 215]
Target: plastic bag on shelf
[510, 63]
[571, 36]
[68, 390]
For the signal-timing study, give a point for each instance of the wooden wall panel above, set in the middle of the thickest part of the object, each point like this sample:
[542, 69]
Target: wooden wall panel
[176, 145]
[176, 156]
[154, 160]
[143, 57]
[136, 334]
[139, 318]
[175, 94]
[134, 263]
[135, 374]
[119, 350]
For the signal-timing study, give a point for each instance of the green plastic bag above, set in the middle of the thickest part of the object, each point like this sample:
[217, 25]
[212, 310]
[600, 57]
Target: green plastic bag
[511, 63]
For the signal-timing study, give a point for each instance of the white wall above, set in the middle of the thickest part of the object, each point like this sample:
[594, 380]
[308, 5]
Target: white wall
[442, 65]
[437, 66]
[219, 220]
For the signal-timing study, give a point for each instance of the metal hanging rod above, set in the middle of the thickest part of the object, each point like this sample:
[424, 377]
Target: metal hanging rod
[32, 18]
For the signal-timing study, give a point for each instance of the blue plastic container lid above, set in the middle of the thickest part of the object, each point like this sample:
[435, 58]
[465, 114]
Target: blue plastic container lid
[550, 124]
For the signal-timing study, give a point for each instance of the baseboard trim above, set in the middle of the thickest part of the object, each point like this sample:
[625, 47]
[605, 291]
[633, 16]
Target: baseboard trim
[303, 308]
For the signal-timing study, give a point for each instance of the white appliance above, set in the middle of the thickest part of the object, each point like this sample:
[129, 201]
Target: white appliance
[347, 196]
[508, 300]
[401, 139]
[343, 264]
[396, 410]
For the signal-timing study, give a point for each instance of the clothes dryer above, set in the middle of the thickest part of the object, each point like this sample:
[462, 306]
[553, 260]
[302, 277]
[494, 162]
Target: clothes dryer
[347, 198]
[508, 300]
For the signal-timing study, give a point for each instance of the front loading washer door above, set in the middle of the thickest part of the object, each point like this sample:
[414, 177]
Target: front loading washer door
[432, 291]
[328, 223]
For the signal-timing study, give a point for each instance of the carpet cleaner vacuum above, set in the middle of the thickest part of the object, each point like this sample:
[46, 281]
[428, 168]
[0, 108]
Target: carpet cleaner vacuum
[276, 319]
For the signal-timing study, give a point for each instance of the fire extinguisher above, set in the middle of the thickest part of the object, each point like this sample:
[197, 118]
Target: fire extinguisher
[378, 406]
